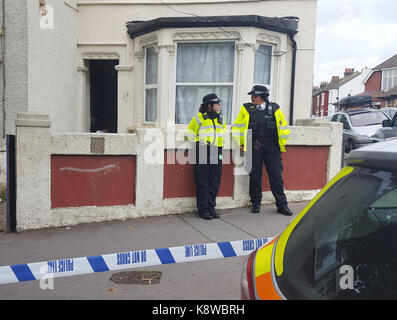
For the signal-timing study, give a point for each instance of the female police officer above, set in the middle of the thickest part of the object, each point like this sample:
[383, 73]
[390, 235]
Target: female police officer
[207, 130]
[269, 134]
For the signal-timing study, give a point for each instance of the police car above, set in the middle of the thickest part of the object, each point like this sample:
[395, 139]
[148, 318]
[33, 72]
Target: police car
[343, 245]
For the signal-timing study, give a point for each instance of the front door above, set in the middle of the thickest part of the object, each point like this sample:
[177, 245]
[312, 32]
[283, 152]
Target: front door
[103, 77]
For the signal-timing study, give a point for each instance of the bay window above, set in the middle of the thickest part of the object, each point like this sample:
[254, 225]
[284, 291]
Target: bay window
[179, 60]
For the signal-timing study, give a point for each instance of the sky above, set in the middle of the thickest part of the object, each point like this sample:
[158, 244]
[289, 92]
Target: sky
[353, 34]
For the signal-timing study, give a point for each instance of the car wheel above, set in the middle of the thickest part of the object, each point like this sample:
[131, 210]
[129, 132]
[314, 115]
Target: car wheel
[352, 146]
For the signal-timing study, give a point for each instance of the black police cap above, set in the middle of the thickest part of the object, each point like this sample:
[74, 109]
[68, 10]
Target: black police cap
[258, 91]
[211, 98]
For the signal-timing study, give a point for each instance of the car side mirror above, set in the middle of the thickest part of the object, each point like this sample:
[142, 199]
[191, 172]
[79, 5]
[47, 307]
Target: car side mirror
[346, 126]
[386, 123]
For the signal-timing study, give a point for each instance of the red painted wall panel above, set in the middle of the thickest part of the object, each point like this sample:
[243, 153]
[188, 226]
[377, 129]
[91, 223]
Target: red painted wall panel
[314, 105]
[110, 180]
[305, 168]
[92, 180]
[179, 178]
[374, 82]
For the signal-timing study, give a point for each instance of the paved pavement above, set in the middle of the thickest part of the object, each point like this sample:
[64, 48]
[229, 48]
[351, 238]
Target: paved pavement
[213, 279]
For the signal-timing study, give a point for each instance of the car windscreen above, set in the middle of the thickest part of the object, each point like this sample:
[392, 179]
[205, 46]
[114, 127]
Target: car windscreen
[367, 118]
[345, 247]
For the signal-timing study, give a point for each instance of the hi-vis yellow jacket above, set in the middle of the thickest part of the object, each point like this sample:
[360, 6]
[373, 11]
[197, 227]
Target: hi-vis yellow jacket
[206, 130]
[240, 126]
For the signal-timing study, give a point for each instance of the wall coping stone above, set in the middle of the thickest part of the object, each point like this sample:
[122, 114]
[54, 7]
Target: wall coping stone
[30, 119]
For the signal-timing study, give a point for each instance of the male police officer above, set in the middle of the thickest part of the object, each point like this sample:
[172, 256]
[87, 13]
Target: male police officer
[269, 133]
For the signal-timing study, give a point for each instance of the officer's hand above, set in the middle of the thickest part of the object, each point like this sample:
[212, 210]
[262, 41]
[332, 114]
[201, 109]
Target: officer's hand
[242, 148]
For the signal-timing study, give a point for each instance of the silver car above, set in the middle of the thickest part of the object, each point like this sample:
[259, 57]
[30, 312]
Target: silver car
[389, 111]
[359, 126]
[388, 130]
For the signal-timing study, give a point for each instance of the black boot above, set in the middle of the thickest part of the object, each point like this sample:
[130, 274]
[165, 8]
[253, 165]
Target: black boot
[205, 215]
[256, 208]
[213, 213]
[284, 210]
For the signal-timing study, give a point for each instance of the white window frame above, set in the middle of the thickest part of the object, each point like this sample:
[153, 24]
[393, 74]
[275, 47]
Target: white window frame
[270, 85]
[392, 71]
[150, 86]
[208, 84]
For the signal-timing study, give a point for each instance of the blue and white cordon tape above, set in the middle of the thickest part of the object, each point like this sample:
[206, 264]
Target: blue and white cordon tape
[128, 260]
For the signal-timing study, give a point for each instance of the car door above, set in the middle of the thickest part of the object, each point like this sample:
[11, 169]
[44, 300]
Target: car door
[388, 132]
[338, 118]
[393, 131]
[335, 118]
[347, 132]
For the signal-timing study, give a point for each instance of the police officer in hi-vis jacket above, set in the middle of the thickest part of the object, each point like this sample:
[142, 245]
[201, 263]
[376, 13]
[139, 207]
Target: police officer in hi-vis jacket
[269, 133]
[207, 131]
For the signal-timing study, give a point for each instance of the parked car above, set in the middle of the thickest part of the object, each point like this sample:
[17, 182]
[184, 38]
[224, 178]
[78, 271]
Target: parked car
[359, 126]
[388, 130]
[389, 111]
[343, 244]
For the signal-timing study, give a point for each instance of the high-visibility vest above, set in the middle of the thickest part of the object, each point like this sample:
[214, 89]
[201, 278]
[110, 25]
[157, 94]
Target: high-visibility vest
[240, 126]
[206, 130]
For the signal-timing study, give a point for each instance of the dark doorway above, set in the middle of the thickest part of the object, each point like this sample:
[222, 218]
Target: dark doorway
[11, 184]
[103, 95]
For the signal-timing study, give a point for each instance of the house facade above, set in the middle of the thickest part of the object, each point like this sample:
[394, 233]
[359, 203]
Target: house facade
[381, 82]
[39, 62]
[140, 69]
[122, 64]
[337, 89]
[355, 85]
[389, 97]
[320, 100]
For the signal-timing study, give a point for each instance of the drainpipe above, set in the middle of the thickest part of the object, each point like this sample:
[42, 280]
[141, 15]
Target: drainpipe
[292, 94]
[2, 49]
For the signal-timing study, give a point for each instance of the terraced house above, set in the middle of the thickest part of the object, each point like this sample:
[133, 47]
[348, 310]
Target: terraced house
[123, 64]
[96, 91]
[381, 82]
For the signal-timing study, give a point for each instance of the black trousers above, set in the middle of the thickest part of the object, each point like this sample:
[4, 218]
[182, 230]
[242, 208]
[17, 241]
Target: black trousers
[274, 168]
[207, 175]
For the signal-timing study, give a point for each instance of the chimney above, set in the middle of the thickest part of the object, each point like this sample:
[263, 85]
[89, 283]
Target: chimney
[348, 71]
[323, 84]
[335, 79]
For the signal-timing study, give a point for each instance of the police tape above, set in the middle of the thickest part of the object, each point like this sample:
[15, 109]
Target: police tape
[128, 260]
